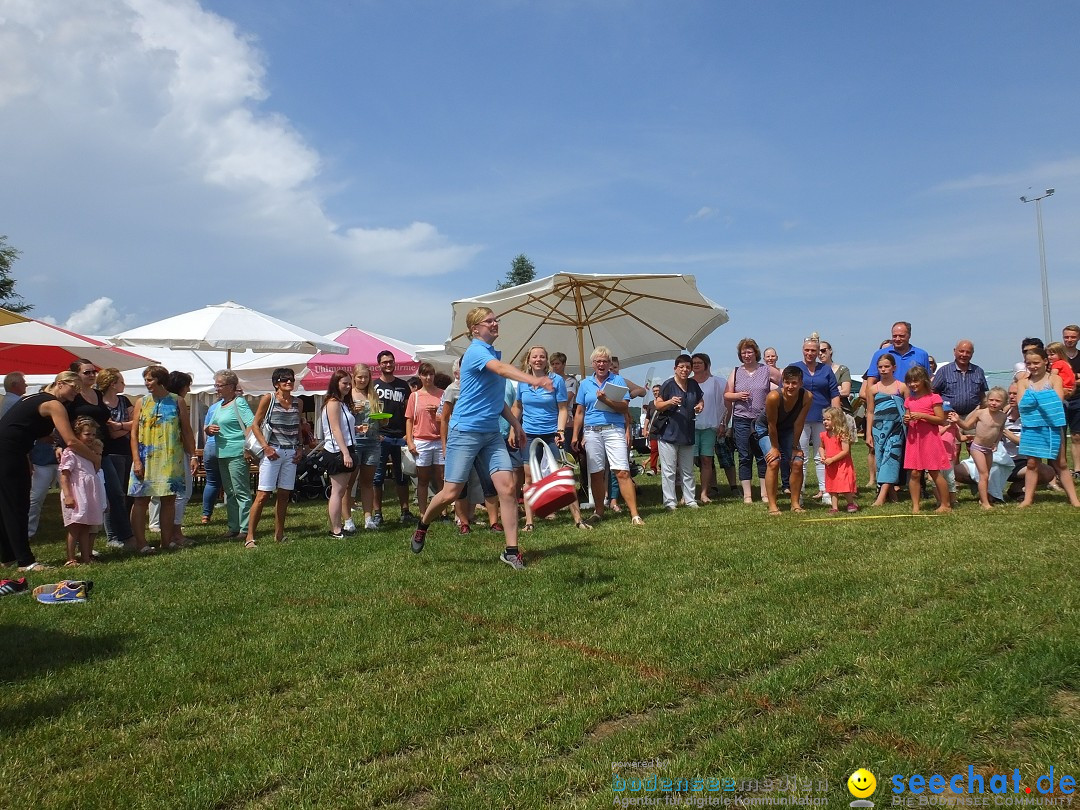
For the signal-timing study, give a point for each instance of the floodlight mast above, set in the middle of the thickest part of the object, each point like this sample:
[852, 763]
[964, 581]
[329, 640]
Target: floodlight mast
[1042, 259]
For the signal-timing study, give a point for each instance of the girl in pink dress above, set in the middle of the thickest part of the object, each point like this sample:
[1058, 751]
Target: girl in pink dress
[925, 450]
[82, 493]
[835, 454]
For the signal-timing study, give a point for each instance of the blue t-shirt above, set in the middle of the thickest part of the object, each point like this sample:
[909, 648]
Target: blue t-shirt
[586, 398]
[480, 403]
[822, 387]
[210, 446]
[912, 357]
[540, 408]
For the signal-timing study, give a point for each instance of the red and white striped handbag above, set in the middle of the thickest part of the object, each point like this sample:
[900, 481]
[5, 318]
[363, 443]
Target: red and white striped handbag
[549, 493]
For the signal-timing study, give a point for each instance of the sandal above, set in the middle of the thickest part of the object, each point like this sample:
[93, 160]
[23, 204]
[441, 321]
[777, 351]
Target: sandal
[147, 550]
[528, 527]
[581, 524]
[34, 566]
[249, 543]
[637, 521]
[205, 519]
[798, 510]
[72, 564]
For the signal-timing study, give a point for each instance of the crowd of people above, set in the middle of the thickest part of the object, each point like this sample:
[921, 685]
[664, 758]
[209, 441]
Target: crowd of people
[487, 431]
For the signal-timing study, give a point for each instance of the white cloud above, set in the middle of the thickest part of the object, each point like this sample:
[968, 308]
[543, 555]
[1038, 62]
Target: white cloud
[99, 317]
[155, 111]
[1044, 175]
[705, 212]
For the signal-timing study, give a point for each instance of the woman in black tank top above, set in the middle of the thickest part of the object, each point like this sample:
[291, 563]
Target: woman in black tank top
[28, 420]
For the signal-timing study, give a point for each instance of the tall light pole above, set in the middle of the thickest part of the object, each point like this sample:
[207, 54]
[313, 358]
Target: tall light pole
[1042, 259]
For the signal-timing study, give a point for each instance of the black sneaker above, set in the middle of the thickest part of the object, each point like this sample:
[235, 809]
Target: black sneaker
[514, 560]
[9, 586]
[418, 538]
[337, 535]
[408, 519]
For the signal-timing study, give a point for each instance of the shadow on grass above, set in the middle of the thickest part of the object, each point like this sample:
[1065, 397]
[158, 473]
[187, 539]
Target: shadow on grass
[31, 651]
[583, 549]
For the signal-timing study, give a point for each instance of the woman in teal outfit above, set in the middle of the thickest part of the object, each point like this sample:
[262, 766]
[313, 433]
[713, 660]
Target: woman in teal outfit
[231, 419]
[885, 427]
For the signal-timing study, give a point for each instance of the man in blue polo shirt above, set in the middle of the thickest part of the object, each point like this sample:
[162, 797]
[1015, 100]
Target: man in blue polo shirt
[906, 355]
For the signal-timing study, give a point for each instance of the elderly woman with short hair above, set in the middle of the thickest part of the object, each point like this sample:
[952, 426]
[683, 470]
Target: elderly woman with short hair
[231, 420]
[606, 428]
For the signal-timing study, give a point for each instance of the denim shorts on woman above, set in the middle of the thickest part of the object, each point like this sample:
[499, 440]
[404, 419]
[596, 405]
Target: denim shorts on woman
[462, 448]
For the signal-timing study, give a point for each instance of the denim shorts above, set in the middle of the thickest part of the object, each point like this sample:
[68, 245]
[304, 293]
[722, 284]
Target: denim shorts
[787, 443]
[369, 451]
[489, 449]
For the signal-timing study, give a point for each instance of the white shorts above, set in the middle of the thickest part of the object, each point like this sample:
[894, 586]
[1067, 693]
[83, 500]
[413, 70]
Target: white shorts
[279, 473]
[607, 448]
[429, 452]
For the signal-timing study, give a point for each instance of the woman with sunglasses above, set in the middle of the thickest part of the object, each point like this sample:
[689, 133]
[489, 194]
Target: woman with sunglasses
[277, 427]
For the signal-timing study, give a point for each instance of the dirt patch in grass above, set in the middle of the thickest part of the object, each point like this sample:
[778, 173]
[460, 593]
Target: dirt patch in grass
[1066, 703]
[612, 726]
[645, 670]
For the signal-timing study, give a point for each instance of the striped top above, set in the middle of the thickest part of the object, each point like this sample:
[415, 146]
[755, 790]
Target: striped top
[284, 424]
[757, 384]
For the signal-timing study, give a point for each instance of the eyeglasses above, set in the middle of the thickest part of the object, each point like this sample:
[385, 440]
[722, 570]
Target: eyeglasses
[285, 380]
[490, 321]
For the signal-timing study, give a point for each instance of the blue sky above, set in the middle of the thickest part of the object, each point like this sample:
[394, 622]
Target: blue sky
[827, 167]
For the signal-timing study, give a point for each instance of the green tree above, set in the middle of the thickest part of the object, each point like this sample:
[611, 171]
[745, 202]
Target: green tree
[521, 271]
[9, 299]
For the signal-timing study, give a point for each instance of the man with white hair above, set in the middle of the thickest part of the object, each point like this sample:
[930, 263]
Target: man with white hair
[14, 389]
[961, 383]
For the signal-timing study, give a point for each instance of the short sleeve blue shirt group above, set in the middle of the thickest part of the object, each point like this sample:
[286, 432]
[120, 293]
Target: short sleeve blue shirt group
[914, 356]
[480, 403]
[586, 398]
[822, 387]
[540, 408]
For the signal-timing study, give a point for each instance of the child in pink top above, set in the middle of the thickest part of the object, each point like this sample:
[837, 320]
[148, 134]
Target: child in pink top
[835, 454]
[924, 449]
[1059, 362]
[82, 494]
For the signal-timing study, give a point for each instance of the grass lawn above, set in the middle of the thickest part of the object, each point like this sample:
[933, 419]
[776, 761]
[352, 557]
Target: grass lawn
[718, 644]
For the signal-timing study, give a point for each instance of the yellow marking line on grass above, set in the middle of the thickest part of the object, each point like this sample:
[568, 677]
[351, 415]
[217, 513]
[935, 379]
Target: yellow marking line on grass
[869, 517]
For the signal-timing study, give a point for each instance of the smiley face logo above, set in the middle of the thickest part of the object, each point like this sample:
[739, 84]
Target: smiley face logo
[861, 783]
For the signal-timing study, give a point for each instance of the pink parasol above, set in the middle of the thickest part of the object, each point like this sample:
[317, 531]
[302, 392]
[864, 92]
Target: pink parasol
[364, 347]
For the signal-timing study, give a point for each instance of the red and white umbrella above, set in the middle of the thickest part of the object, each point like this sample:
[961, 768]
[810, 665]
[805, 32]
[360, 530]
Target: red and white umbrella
[35, 347]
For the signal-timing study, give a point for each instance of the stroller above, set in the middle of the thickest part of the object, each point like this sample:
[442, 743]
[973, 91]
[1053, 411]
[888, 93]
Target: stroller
[311, 481]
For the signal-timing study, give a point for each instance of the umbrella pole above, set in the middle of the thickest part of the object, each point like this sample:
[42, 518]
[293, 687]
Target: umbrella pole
[581, 349]
[228, 358]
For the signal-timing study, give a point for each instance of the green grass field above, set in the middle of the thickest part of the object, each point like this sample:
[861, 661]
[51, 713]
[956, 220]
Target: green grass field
[719, 644]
